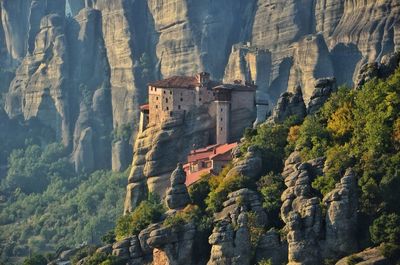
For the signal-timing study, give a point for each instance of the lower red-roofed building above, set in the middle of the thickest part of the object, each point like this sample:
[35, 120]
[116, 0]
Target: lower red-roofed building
[209, 160]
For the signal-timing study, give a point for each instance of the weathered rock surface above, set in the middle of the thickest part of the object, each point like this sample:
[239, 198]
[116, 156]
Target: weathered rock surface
[311, 239]
[40, 87]
[385, 68]
[231, 246]
[324, 87]
[341, 217]
[177, 195]
[302, 213]
[270, 247]
[369, 256]
[289, 104]
[173, 245]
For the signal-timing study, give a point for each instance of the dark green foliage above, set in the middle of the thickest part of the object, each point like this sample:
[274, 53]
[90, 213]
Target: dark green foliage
[103, 259]
[386, 228]
[109, 237]
[148, 212]
[361, 129]
[35, 259]
[229, 184]
[198, 192]
[31, 170]
[69, 210]
[82, 253]
[271, 187]
[190, 214]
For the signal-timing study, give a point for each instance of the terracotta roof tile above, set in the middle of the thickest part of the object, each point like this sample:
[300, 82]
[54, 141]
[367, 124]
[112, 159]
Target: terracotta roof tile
[144, 107]
[176, 82]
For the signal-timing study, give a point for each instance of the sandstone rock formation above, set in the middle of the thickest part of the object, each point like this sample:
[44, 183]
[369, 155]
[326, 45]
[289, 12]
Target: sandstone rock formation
[386, 67]
[369, 256]
[230, 246]
[288, 43]
[324, 87]
[173, 245]
[177, 195]
[310, 238]
[157, 151]
[289, 104]
[341, 217]
[302, 213]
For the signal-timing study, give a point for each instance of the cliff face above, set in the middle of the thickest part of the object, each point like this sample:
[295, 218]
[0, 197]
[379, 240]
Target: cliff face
[111, 49]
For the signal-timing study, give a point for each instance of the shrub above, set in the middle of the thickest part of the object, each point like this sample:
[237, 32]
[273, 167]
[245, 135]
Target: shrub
[198, 192]
[256, 229]
[386, 228]
[229, 184]
[148, 212]
[191, 213]
[271, 187]
[35, 259]
[82, 253]
[265, 262]
[109, 237]
[323, 184]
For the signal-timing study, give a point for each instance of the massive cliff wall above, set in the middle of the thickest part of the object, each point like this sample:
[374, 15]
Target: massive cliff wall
[117, 47]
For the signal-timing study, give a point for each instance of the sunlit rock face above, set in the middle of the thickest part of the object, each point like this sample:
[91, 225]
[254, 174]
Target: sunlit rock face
[278, 44]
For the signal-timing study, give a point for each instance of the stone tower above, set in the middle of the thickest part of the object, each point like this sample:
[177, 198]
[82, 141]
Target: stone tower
[223, 109]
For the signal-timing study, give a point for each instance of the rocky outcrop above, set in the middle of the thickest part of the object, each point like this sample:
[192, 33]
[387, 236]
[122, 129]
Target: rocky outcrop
[369, 256]
[341, 217]
[302, 213]
[40, 87]
[289, 104]
[385, 68]
[312, 239]
[177, 195]
[173, 245]
[311, 62]
[243, 199]
[159, 148]
[324, 87]
[229, 245]
[270, 247]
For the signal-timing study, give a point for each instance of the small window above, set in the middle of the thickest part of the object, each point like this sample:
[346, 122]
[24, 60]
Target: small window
[167, 108]
[155, 89]
[181, 99]
[156, 106]
[199, 99]
[170, 113]
[221, 119]
[166, 100]
[170, 92]
[156, 98]
[164, 91]
[221, 129]
[221, 109]
[179, 106]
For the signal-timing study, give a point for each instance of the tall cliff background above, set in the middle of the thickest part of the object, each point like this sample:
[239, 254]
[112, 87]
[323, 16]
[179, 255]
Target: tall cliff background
[82, 73]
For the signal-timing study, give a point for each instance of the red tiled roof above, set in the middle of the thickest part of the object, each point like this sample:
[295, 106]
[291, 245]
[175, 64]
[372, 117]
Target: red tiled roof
[210, 151]
[144, 107]
[176, 82]
[194, 177]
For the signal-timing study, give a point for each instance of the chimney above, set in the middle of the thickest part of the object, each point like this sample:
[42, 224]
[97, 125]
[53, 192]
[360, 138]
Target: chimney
[203, 78]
